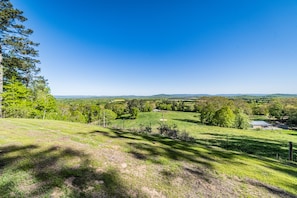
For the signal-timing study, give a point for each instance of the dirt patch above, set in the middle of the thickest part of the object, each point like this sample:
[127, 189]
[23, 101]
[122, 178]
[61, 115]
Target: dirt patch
[196, 181]
[271, 189]
[152, 193]
[57, 192]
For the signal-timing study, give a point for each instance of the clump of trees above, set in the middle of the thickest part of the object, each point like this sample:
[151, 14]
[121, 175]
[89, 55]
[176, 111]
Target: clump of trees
[176, 105]
[20, 101]
[23, 93]
[130, 108]
[235, 112]
[223, 112]
[101, 111]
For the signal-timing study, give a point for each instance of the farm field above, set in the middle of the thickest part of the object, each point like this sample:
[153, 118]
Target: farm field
[228, 138]
[62, 159]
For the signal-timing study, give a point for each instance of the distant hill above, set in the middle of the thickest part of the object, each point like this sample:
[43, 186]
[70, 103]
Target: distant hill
[178, 96]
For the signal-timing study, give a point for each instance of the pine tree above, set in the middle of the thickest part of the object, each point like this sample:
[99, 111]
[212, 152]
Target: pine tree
[17, 52]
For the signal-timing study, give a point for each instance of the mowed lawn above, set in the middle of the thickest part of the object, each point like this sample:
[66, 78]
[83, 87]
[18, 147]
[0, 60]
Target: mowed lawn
[62, 159]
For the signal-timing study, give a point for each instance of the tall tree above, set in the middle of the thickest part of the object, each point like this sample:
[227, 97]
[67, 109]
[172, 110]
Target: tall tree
[17, 52]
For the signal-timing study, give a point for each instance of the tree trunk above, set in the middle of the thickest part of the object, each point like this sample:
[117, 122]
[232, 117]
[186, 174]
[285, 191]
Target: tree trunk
[1, 81]
[44, 113]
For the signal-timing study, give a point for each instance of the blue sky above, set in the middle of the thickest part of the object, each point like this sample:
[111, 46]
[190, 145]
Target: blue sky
[146, 47]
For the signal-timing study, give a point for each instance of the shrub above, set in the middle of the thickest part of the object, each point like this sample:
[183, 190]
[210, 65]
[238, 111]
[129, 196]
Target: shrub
[174, 133]
[184, 136]
[169, 131]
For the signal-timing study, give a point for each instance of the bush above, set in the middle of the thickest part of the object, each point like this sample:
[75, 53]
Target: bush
[169, 131]
[174, 133]
[184, 136]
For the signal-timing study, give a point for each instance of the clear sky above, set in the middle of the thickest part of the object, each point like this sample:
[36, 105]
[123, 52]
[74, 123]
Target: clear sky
[146, 47]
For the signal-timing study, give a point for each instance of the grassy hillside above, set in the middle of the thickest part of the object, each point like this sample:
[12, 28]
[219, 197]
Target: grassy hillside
[266, 143]
[60, 159]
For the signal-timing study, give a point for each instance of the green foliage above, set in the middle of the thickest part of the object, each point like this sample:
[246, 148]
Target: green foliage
[119, 109]
[224, 117]
[22, 102]
[106, 116]
[16, 101]
[276, 109]
[207, 114]
[260, 109]
[243, 106]
[205, 106]
[44, 102]
[216, 102]
[134, 112]
[147, 107]
[242, 121]
[293, 119]
[17, 54]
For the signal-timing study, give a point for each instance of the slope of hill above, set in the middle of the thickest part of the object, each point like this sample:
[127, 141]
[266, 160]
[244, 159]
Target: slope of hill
[61, 159]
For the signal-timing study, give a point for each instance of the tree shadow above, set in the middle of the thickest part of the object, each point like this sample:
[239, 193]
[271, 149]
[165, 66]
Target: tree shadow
[248, 145]
[54, 172]
[274, 152]
[160, 147]
[187, 120]
[294, 133]
[115, 134]
[289, 169]
[273, 190]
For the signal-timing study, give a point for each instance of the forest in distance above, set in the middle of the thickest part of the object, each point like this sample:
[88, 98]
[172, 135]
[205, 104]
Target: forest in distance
[211, 110]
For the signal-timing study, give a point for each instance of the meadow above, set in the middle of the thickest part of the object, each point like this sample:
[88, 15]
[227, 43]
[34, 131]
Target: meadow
[43, 158]
[266, 143]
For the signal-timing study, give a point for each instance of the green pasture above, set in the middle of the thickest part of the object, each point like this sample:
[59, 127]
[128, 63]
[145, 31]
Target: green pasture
[61, 159]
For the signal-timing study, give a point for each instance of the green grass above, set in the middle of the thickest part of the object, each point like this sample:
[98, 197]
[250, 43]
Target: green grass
[185, 120]
[61, 159]
[265, 143]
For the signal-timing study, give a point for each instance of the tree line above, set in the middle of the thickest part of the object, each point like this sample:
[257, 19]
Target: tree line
[100, 111]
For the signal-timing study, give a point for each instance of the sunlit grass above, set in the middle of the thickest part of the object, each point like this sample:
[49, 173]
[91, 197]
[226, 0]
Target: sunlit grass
[54, 158]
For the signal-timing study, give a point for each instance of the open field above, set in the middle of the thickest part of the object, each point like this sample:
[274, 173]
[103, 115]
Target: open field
[61, 159]
[184, 120]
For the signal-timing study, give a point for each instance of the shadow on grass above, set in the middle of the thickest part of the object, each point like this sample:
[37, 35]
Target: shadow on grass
[32, 171]
[271, 189]
[160, 148]
[188, 120]
[245, 144]
[290, 168]
[258, 148]
[294, 133]
[116, 134]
